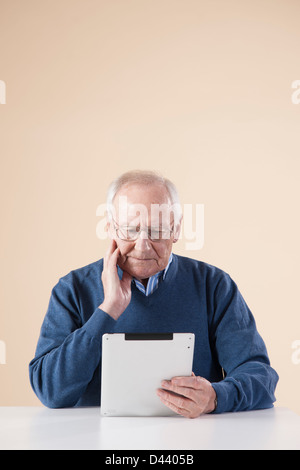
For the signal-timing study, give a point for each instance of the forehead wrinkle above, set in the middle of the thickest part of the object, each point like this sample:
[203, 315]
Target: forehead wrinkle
[132, 206]
[137, 221]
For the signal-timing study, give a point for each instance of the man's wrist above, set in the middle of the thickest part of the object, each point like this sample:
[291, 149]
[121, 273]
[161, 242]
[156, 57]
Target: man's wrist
[215, 402]
[110, 310]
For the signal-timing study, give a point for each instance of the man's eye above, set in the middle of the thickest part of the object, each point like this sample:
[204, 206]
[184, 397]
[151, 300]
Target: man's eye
[132, 230]
[155, 233]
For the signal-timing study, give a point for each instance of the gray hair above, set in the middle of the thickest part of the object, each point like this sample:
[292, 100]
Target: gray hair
[144, 177]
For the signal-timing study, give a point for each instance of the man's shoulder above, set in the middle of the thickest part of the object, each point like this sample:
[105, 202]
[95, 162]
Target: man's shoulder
[87, 273]
[201, 268]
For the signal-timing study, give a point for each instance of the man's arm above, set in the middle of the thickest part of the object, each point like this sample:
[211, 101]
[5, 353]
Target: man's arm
[250, 381]
[68, 352]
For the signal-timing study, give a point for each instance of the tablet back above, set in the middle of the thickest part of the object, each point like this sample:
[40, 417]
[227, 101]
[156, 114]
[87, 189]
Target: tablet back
[133, 366]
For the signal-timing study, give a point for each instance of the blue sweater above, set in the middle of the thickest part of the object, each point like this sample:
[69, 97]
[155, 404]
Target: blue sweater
[194, 297]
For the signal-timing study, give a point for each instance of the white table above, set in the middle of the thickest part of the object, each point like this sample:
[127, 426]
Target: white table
[84, 428]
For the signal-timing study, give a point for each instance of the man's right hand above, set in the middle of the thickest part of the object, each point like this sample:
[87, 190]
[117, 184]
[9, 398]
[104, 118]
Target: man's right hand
[117, 292]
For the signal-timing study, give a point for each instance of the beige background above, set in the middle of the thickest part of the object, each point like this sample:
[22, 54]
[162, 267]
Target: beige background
[198, 90]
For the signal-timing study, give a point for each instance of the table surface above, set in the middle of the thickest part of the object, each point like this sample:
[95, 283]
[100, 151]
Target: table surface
[83, 428]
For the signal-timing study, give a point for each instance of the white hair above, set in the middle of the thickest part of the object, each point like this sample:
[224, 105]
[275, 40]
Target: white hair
[144, 177]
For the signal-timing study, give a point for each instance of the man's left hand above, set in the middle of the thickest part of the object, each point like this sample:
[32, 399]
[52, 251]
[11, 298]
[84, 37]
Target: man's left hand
[188, 396]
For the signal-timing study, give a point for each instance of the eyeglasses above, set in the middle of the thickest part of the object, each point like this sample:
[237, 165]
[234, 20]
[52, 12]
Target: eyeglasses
[131, 233]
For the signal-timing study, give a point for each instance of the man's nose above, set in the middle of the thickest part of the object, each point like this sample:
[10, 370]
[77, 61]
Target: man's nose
[142, 242]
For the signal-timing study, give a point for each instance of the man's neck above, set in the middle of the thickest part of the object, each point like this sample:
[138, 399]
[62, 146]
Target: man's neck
[144, 282]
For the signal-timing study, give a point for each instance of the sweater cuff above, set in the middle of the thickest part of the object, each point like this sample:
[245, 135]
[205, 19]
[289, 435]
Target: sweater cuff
[98, 324]
[225, 396]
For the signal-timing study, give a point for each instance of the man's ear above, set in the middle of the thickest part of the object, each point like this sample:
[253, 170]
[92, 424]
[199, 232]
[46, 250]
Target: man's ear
[177, 230]
[109, 228]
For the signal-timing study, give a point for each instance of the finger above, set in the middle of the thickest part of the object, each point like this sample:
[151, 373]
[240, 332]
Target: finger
[113, 258]
[174, 408]
[191, 382]
[184, 407]
[178, 404]
[112, 246]
[187, 392]
[109, 252]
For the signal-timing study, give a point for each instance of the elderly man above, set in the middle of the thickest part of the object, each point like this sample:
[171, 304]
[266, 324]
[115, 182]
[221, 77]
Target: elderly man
[141, 286]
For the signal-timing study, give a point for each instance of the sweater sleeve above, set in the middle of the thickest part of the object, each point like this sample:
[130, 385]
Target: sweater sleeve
[249, 381]
[68, 352]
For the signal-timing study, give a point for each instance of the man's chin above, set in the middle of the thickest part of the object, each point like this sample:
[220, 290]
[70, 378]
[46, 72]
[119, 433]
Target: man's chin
[140, 268]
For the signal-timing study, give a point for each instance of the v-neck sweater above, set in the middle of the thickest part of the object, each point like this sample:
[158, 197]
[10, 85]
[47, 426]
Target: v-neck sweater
[194, 297]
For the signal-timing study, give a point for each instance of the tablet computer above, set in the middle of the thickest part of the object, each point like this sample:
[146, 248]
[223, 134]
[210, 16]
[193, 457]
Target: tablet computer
[133, 366]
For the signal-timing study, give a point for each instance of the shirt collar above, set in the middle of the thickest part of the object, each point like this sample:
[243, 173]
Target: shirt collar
[167, 267]
[153, 280]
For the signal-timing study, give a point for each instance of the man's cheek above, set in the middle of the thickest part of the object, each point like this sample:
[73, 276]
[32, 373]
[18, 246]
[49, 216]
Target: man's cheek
[123, 256]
